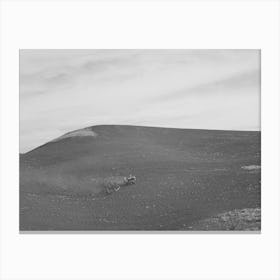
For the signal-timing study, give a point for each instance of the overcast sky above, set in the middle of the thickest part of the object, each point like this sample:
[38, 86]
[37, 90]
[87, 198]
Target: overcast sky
[64, 90]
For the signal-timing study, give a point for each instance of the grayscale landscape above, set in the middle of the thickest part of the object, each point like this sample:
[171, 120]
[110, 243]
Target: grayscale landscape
[184, 160]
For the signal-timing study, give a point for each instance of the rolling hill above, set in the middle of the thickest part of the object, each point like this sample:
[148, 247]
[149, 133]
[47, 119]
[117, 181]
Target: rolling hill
[183, 176]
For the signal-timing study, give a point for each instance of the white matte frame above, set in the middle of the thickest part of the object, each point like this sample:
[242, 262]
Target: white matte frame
[146, 24]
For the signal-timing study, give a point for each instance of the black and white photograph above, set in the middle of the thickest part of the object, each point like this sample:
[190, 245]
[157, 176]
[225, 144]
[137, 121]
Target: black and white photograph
[140, 140]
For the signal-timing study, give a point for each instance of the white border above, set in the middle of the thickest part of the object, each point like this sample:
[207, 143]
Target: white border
[157, 24]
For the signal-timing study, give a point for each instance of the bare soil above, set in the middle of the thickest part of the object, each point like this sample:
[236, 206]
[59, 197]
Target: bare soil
[183, 177]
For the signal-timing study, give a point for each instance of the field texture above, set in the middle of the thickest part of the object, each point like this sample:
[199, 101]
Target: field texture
[186, 180]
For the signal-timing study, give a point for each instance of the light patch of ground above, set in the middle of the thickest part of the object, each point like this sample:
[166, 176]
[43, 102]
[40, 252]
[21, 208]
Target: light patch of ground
[251, 167]
[78, 133]
[248, 219]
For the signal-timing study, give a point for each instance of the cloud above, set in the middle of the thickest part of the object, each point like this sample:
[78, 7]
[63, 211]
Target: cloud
[241, 83]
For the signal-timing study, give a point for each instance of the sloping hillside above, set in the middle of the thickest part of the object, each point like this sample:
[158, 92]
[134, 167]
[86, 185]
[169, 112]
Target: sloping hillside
[182, 176]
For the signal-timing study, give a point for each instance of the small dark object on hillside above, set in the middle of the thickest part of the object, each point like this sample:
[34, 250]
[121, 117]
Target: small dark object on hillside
[113, 184]
[131, 179]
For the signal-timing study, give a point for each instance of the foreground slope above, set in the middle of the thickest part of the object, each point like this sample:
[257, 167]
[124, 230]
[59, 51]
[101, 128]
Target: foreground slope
[183, 176]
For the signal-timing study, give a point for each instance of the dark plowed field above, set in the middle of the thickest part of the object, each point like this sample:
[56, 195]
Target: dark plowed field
[183, 176]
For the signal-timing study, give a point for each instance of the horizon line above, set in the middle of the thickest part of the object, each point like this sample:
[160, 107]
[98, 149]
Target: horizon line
[146, 126]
